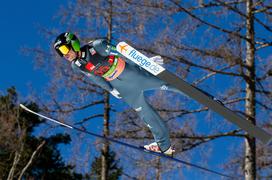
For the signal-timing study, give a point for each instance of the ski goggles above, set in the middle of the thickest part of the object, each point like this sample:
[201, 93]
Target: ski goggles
[64, 49]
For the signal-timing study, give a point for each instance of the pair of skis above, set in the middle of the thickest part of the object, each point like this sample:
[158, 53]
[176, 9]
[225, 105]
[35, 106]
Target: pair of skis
[157, 70]
[128, 145]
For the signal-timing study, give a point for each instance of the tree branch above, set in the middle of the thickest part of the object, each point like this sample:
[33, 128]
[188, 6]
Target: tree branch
[31, 159]
[207, 23]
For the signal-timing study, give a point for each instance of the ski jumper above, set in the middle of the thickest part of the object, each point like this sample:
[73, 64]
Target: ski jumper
[110, 70]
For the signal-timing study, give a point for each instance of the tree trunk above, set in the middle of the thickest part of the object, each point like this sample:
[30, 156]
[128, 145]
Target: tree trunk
[106, 131]
[250, 143]
[105, 149]
[158, 169]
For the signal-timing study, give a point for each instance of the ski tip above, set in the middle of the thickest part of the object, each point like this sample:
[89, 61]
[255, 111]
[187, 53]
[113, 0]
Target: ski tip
[22, 106]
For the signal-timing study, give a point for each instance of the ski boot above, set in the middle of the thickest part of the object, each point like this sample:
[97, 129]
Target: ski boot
[155, 147]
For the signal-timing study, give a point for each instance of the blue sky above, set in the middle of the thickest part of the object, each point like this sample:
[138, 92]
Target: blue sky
[20, 22]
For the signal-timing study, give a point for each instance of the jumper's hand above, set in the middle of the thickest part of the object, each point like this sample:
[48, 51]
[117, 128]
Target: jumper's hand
[157, 59]
[115, 93]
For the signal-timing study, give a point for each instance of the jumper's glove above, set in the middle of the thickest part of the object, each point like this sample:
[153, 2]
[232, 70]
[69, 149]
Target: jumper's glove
[157, 59]
[115, 93]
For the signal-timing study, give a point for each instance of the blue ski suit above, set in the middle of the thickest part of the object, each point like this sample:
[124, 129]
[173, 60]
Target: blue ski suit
[98, 58]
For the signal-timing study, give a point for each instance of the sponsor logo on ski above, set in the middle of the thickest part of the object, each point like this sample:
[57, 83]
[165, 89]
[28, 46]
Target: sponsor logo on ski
[143, 62]
[139, 58]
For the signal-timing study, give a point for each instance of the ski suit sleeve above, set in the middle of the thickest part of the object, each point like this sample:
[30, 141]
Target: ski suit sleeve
[101, 82]
[102, 47]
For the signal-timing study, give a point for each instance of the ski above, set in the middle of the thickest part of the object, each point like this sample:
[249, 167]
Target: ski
[193, 92]
[139, 148]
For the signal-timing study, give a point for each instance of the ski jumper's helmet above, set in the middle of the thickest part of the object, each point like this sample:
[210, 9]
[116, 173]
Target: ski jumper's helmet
[65, 41]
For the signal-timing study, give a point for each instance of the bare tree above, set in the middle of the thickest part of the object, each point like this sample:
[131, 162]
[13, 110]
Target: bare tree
[250, 149]
[106, 130]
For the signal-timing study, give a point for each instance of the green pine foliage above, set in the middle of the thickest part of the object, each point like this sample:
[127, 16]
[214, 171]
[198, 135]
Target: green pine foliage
[114, 170]
[18, 143]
